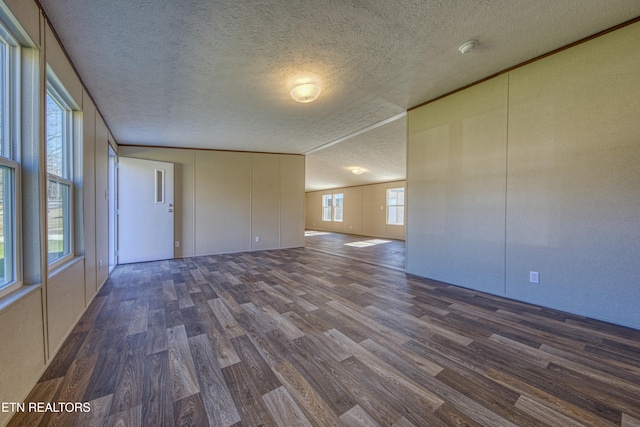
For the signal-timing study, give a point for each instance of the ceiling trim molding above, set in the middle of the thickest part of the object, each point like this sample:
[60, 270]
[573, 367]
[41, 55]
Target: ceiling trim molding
[356, 133]
[177, 147]
[325, 190]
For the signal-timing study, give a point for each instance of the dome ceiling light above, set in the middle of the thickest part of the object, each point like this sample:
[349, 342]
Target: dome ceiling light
[306, 92]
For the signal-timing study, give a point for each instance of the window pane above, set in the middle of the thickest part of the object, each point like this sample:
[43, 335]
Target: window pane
[6, 226]
[326, 214]
[338, 207]
[391, 215]
[395, 196]
[395, 206]
[395, 215]
[391, 197]
[55, 138]
[58, 215]
[159, 186]
[4, 100]
[326, 207]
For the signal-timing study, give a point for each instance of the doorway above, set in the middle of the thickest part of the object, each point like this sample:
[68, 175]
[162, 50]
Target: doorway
[113, 208]
[145, 210]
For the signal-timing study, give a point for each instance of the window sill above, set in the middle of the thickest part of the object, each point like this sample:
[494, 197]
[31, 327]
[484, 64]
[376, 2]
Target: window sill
[60, 268]
[10, 299]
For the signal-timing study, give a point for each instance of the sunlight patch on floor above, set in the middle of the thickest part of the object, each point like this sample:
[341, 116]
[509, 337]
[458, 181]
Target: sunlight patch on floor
[308, 233]
[367, 243]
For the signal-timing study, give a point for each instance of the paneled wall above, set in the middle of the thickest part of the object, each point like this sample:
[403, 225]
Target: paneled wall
[35, 319]
[535, 170]
[291, 201]
[102, 203]
[22, 354]
[89, 197]
[365, 211]
[233, 201]
[456, 187]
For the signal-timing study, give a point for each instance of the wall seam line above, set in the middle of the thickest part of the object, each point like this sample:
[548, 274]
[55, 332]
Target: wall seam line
[506, 185]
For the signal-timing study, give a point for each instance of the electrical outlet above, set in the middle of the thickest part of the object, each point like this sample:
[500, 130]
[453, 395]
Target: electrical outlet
[177, 244]
[257, 239]
[534, 277]
[99, 265]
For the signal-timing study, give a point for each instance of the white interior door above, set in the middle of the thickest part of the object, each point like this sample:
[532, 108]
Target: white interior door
[145, 210]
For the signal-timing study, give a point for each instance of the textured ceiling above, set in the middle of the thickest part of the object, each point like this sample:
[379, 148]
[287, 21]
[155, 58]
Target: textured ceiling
[380, 151]
[217, 74]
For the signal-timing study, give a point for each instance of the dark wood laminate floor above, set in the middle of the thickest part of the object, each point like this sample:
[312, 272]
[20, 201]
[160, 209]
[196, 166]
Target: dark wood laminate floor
[372, 250]
[302, 338]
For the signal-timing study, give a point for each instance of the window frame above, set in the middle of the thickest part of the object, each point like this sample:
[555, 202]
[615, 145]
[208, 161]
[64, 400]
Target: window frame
[55, 91]
[338, 208]
[396, 206]
[327, 208]
[10, 159]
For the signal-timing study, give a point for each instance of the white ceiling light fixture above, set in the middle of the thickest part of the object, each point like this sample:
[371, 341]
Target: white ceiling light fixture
[357, 171]
[468, 46]
[305, 92]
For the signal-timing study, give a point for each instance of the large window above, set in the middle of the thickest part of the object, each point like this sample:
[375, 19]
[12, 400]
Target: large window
[327, 205]
[9, 166]
[59, 170]
[338, 207]
[332, 207]
[395, 206]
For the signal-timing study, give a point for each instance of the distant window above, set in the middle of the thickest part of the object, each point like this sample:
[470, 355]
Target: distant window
[338, 207]
[332, 207]
[59, 120]
[327, 205]
[9, 166]
[395, 206]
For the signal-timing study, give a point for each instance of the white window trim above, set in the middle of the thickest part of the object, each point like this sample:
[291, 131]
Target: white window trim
[12, 93]
[330, 208]
[56, 91]
[15, 232]
[335, 207]
[389, 206]
[11, 160]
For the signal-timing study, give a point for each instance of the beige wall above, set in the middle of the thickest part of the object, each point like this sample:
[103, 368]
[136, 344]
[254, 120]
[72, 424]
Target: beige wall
[225, 201]
[365, 211]
[102, 203]
[456, 187]
[61, 67]
[35, 320]
[65, 302]
[89, 197]
[291, 201]
[22, 354]
[535, 170]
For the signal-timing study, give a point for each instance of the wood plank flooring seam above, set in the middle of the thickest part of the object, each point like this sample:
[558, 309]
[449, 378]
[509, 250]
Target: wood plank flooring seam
[299, 337]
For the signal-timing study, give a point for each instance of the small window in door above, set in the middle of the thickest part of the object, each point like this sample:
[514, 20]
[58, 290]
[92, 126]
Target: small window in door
[159, 185]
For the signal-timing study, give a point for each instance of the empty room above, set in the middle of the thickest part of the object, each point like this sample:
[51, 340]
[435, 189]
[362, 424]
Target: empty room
[327, 213]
